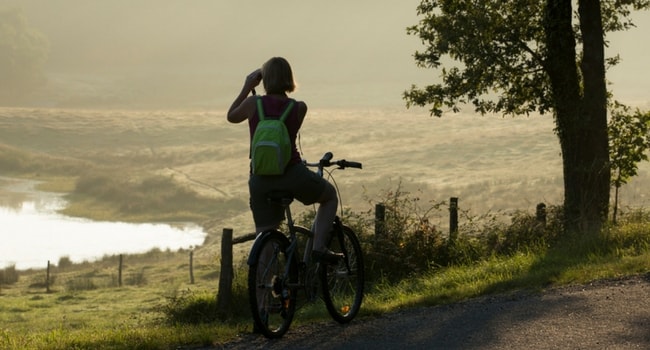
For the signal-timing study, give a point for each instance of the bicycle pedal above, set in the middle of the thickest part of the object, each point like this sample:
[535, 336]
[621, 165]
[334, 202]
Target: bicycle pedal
[276, 283]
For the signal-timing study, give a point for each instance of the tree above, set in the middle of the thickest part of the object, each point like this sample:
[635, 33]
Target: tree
[629, 139]
[23, 52]
[521, 56]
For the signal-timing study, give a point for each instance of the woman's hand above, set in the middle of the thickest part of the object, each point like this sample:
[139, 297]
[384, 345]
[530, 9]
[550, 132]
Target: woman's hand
[243, 107]
[253, 79]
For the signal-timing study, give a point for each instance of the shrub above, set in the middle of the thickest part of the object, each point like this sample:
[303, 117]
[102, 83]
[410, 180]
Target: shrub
[190, 307]
[80, 284]
[136, 278]
[410, 243]
[64, 262]
[526, 232]
[9, 275]
[40, 281]
[631, 235]
[197, 307]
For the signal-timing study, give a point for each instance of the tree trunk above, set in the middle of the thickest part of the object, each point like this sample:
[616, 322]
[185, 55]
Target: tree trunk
[597, 184]
[580, 118]
[615, 206]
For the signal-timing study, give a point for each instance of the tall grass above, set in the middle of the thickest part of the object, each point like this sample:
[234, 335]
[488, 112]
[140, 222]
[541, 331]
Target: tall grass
[9, 275]
[120, 336]
[412, 238]
[152, 198]
[14, 161]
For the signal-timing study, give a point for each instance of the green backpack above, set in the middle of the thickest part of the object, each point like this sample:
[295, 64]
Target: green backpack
[271, 145]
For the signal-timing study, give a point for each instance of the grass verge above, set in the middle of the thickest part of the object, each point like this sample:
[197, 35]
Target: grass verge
[156, 315]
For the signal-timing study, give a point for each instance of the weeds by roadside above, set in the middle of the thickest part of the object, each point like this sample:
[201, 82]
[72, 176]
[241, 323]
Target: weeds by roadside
[412, 241]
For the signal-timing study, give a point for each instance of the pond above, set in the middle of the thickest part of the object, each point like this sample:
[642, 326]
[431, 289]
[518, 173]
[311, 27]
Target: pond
[33, 233]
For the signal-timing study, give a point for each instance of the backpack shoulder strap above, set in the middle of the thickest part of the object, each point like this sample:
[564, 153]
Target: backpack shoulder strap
[260, 108]
[286, 112]
[283, 117]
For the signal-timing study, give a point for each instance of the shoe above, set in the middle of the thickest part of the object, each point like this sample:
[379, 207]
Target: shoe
[327, 257]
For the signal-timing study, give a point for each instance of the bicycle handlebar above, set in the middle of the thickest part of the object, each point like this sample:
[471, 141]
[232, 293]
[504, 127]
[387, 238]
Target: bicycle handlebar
[326, 161]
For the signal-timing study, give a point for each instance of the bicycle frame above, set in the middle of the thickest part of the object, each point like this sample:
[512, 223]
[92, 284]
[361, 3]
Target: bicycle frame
[275, 281]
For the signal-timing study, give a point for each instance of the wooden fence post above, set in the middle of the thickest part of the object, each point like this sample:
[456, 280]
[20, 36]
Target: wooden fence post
[191, 267]
[540, 214]
[380, 219]
[119, 272]
[453, 218]
[224, 295]
[47, 278]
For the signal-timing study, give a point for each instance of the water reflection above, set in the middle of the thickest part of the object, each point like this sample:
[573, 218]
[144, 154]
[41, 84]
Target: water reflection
[13, 192]
[33, 232]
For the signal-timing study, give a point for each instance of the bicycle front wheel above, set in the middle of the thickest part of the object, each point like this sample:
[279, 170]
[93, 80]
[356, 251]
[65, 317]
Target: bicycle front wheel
[343, 283]
[272, 302]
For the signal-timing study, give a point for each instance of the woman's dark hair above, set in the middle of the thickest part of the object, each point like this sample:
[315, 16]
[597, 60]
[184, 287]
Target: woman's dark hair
[277, 76]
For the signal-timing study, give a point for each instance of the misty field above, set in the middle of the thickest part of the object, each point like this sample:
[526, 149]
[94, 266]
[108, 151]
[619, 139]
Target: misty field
[491, 164]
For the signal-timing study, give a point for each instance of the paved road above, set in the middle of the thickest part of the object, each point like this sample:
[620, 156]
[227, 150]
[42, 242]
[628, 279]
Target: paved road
[612, 314]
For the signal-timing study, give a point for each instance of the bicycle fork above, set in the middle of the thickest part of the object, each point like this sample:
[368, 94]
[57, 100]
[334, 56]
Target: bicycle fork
[340, 237]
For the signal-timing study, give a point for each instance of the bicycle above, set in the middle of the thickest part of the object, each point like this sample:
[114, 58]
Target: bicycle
[276, 276]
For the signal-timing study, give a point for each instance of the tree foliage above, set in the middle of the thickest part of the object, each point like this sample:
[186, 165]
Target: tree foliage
[492, 54]
[628, 143]
[23, 52]
[498, 48]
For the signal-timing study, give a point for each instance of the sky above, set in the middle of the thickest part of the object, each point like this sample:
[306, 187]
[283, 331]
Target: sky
[196, 53]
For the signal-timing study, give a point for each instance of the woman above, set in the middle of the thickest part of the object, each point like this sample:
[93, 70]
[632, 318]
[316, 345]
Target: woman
[306, 186]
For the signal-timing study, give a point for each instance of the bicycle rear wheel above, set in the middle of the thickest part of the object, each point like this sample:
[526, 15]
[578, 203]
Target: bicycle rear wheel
[272, 302]
[343, 283]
